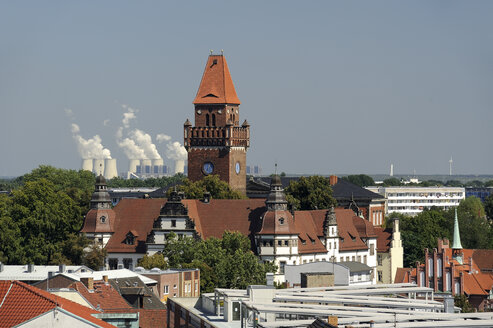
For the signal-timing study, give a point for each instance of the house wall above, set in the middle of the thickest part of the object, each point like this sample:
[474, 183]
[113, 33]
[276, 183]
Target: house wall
[57, 318]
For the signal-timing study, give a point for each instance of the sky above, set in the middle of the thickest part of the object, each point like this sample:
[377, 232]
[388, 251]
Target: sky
[328, 87]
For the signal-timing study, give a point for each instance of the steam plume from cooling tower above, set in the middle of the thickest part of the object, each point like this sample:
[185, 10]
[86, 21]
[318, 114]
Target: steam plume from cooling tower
[89, 148]
[137, 144]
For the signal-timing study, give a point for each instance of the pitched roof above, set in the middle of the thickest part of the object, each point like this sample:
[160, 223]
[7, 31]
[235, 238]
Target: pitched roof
[103, 296]
[133, 214]
[278, 223]
[384, 238]
[213, 218]
[22, 302]
[306, 226]
[351, 239]
[216, 86]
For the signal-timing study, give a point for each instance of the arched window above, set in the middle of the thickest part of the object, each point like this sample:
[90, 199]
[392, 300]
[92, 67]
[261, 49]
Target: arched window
[207, 119]
[281, 221]
[213, 119]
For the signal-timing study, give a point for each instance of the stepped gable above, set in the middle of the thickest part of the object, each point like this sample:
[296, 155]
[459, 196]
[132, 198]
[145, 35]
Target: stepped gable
[216, 86]
[219, 215]
[135, 215]
[22, 302]
[306, 225]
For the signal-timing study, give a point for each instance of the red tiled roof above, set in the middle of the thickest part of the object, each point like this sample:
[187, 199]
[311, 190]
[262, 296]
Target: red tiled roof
[345, 226]
[103, 296]
[92, 222]
[483, 259]
[364, 227]
[271, 224]
[137, 215]
[219, 215]
[22, 302]
[216, 86]
[384, 238]
[402, 275]
[306, 226]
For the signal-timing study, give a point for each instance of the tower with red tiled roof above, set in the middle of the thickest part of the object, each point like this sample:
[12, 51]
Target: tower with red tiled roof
[99, 223]
[217, 144]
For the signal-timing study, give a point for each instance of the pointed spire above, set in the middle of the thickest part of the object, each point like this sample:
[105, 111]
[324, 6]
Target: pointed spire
[456, 244]
[216, 86]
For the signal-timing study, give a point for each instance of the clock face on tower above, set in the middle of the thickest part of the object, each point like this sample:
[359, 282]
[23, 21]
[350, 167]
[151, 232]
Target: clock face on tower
[208, 168]
[237, 167]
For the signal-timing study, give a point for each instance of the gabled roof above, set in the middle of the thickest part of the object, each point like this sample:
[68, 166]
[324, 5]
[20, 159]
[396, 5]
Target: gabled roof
[219, 215]
[133, 214]
[104, 296]
[306, 226]
[22, 302]
[216, 86]
[351, 239]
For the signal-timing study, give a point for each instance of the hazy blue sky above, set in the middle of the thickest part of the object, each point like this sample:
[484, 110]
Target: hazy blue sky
[328, 87]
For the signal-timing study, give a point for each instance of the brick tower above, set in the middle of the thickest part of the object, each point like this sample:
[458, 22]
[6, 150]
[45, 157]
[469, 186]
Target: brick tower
[217, 144]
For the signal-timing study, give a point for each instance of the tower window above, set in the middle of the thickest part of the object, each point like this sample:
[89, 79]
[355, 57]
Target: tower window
[281, 221]
[213, 119]
[207, 119]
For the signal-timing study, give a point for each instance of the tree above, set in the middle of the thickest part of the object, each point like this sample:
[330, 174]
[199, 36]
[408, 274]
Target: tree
[474, 228]
[392, 182]
[94, 257]
[422, 231]
[310, 193]
[488, 206]
[154, 261]
[454, 183]
[361, 180]
[462, 302]
[213, 184]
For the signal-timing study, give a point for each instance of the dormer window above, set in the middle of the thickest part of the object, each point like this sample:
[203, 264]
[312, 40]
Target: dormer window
[281, 221]
[130, 239]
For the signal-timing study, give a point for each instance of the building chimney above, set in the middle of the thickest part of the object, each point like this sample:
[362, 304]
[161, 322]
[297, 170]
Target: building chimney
[105, 279]
[61, 268]
[30, 267]
[1, 267]
[333, 180]
[332, 320]
[88, 282]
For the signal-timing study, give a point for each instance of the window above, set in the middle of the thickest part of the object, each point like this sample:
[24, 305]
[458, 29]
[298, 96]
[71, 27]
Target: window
[282, 265]
[127, 263]
[286, 243]
[113, 264]
[173, 223]
[379, 259]
[166, 289]
[279, 242]
[103, 219]
[196, 286]
[380, 275]
[364, 259]
[372, 249]
[213, 119]
[130, 239]
[174, 286]
[207, 119]
[281, 221]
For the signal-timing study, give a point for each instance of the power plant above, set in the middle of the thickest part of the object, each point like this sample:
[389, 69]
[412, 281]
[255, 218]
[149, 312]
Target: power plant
[140, 169]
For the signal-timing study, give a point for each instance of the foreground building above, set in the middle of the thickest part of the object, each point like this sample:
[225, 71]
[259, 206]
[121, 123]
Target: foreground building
[358, 306]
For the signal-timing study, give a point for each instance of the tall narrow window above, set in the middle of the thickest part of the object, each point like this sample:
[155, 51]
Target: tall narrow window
[213, 119]
[207, 119]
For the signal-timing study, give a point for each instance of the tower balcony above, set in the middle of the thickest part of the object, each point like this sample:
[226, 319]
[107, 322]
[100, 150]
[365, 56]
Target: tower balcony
[228, 136]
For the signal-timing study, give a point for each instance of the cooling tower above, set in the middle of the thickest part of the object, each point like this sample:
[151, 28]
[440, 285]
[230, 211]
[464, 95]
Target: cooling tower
[132, 167]
[179, 166]
[110, 171]
[157, 166]
[87, 164]
[146, 166]
[98, 166]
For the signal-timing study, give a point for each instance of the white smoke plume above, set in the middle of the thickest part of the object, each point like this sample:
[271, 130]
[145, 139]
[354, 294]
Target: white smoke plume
[137, 144]
[89, 148]
[144, 140]
[176, 151]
